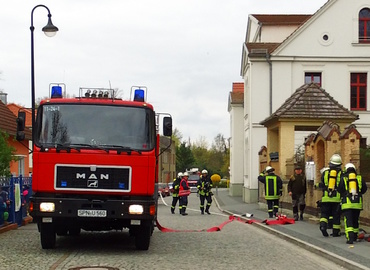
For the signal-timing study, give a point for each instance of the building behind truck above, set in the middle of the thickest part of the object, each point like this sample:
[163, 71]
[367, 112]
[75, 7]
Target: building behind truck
[95, 164]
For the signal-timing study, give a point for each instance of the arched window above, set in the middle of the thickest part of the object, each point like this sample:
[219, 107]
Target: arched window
[364, 25]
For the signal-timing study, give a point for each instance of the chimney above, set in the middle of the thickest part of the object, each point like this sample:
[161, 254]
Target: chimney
[3, 97]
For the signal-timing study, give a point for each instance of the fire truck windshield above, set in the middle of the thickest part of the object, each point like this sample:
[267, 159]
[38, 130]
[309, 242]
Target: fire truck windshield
[95, 126]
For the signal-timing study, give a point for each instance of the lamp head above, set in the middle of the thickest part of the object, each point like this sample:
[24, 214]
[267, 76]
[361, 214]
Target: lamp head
[50, 29]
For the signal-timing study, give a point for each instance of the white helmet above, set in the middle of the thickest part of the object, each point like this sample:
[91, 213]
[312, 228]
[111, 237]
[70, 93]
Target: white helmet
[186, 174]
[350, 165]
[180, 174]
[336, 159]
[204, 171]
[269, 169]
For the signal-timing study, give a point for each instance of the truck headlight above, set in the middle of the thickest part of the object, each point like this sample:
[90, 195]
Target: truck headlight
[136, 209]
[47, 207]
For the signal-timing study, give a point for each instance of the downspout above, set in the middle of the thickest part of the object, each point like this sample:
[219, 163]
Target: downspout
[268, 59]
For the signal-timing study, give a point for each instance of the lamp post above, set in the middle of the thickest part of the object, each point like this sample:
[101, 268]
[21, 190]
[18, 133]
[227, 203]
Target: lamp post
[50, 30]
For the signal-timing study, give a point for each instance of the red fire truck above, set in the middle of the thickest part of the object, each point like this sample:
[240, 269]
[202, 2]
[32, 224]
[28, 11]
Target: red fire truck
[95, 164]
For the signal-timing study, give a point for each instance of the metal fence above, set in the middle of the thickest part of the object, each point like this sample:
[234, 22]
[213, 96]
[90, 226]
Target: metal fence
[14, 197]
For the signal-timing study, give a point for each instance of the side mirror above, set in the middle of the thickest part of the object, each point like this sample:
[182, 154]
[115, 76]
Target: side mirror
[21, 120]
[167, 126]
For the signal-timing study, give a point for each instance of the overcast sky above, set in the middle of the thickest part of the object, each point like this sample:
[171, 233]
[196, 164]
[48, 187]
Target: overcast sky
[186, 52]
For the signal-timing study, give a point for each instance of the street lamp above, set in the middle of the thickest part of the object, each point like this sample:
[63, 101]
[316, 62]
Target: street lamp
[50, 30]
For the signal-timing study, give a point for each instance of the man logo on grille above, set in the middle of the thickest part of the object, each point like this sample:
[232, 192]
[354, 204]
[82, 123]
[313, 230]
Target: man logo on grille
[92, 183]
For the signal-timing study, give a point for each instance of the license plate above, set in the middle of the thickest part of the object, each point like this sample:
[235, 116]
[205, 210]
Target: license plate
[91, 213]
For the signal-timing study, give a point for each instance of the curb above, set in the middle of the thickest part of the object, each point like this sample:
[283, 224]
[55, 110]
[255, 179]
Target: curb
[312, 248]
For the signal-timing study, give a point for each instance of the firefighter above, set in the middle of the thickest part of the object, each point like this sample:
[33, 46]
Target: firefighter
[297, 190]
[351, 188]
[175, 193]
[184, 192]
[204, 186]
[273, 189]
[330, 201]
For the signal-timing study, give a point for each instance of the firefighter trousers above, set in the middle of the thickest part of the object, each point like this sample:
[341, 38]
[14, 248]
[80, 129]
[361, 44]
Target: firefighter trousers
[203, 198]
[351, 223]
[183, 203]
[174, 202]
[329, 209]
[272, 207]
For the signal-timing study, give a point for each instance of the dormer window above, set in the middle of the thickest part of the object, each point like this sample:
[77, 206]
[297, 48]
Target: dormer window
[364, 26]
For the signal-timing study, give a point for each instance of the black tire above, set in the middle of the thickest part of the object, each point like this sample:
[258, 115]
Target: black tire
[142, 237]
[47, 235]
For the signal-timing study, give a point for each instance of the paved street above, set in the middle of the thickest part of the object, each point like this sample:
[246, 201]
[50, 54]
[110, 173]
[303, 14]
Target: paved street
[237, 246]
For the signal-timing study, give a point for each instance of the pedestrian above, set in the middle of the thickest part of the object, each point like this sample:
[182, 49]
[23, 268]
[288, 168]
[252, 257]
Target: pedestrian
[297, 189]
[351, 188]
[273, 190]
[330, 201]
[184, 192]
[175, 193]
[204, 186]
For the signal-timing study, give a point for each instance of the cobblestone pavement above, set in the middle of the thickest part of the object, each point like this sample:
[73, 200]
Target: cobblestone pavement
[236, 246]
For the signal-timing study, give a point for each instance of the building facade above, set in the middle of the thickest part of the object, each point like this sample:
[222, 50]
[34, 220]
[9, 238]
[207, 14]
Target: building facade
[283, 52]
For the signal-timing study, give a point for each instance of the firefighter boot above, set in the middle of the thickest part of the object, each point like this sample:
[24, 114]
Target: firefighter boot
[350, 238]
[301, 216]
[295, 216]
[202, 210]
[323, 226]
[336, 233]
[207, 210]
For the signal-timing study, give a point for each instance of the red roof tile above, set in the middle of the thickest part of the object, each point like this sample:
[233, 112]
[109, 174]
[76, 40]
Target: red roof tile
[238, 87]
[8, 122]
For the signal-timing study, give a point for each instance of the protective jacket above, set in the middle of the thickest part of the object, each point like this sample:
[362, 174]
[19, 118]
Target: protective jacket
[176, 187]
[329, 183]
[204, 185]
[351, 188]
[273, 185]
[183, 186]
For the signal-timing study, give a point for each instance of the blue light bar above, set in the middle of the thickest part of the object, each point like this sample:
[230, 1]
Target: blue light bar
[56, 92]
[139, 95]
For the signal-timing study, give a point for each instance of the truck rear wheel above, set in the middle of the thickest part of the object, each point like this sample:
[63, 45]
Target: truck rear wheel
[142, 237]
[47, 235]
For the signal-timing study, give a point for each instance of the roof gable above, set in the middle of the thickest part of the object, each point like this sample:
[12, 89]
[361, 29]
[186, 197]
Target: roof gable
[310, 101]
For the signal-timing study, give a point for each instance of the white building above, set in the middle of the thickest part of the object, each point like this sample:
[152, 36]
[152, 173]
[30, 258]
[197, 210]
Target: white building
[283, 52]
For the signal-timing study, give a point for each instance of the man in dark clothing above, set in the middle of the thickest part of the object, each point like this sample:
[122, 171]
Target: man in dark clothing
[273, 189]
[297, 190]
[184, 192]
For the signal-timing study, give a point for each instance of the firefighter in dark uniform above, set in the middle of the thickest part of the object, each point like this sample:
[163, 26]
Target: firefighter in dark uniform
[184, 192]
[204, 186]
[330, 201]
[273, 189]
[175, 193]
[351, 188]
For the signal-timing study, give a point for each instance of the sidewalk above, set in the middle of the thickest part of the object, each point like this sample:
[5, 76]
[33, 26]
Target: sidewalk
[304, 233]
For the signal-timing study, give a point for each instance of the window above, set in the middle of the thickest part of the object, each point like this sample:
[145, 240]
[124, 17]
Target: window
[358, 91]
[312, 77]
[364, 26]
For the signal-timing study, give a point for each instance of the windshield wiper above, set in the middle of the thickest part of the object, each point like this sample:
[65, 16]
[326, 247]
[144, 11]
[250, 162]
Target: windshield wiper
[59, 147]
[121, 148]
[91, 146]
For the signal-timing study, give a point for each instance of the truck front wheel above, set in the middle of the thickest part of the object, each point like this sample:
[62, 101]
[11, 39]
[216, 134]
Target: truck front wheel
[47, 235]
[142, 237]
